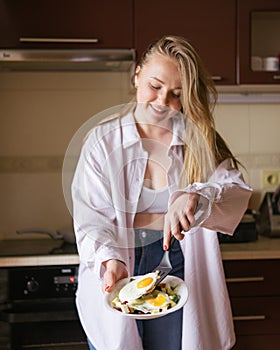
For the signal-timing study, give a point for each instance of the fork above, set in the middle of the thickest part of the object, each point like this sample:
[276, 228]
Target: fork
[165, 267]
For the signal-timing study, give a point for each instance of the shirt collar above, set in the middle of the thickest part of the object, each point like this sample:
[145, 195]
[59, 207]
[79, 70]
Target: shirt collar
[131, 135]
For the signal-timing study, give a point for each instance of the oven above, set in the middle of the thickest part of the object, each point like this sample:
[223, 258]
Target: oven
[37, 308]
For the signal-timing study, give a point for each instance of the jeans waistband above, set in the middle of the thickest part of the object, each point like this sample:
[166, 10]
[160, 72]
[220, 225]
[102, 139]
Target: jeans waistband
[147, 236]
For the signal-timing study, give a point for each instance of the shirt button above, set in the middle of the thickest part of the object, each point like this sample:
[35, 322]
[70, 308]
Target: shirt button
[144, 234]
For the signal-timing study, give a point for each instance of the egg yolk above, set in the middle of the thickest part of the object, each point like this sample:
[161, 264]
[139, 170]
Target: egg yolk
[144, 282]
[158, 301]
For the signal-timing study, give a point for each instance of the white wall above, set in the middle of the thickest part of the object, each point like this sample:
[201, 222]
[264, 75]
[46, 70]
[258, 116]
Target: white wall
[40, 113]
[252, 131]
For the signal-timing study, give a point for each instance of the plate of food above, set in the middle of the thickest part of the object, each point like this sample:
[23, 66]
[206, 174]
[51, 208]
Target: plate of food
[138, 297]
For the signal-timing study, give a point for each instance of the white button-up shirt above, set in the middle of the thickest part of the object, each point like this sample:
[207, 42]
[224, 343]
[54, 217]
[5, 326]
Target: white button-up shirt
[105, 191]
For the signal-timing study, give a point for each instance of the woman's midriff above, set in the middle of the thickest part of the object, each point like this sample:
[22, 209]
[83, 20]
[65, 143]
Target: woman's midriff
[150, 221]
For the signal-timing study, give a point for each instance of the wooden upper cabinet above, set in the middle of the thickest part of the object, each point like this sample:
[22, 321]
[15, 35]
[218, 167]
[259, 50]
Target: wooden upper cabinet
[210, 26]
[258, 38]
[99, 24]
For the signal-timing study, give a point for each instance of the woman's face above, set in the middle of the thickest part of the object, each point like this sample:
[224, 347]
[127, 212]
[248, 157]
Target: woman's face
[158, 85]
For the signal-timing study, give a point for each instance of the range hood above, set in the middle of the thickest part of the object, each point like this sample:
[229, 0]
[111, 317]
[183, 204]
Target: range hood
[120, 60]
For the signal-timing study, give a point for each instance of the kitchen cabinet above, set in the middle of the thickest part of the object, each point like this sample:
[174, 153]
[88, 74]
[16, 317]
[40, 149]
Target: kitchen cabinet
[254, 289]
[210, 26]
[66, 24]
[258, 37]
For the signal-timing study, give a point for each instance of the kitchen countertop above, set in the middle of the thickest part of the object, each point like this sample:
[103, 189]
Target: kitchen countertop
[43, 260]
[37, 252]
[263, 248]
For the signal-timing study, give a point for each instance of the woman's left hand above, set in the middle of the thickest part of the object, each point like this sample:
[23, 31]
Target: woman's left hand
[180, 217]
[115, 271]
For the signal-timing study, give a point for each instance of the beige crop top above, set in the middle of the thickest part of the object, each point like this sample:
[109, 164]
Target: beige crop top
[153, 201]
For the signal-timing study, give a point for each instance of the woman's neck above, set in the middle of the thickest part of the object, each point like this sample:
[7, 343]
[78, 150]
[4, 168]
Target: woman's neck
[155, 132]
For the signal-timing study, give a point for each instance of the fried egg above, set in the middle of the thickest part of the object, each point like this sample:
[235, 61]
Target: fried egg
[153, 303]
[138, 287]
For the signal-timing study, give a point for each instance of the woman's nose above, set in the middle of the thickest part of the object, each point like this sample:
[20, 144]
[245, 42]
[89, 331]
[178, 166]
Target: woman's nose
[163, 98]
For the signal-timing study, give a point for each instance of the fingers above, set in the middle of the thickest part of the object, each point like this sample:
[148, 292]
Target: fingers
[186, 221]
[166, 235]
[115, 271]
[175, 223]
[108, 281]
[180, 217]
[171, 230]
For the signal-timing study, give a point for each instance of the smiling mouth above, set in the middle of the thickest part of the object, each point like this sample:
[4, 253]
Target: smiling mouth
[159, 109]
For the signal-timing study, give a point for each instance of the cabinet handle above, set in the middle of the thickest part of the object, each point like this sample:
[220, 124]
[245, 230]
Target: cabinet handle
[276, 77]
[244, 279]
[249, 318]
[59, 40]
[217, 78]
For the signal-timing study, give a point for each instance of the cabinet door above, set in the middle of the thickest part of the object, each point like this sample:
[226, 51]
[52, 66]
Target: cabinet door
[100, 24]
[258, 37]
[210, 26]
[257, 322]
[254, 290]
[252, 277]
[257, 342]
[256, 315]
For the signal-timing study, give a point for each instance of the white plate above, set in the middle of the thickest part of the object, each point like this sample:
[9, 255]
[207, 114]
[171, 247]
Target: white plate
[181, 290]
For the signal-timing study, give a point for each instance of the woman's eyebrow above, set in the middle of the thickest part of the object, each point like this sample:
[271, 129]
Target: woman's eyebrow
[157, 79]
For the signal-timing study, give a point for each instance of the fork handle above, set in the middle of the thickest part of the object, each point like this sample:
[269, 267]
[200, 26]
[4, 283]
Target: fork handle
[172, 241]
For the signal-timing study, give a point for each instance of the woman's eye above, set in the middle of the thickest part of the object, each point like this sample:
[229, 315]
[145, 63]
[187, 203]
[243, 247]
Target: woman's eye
[155, 87]
[177, 95]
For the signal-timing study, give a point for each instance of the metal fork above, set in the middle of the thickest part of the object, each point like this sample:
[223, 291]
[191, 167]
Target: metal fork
[165, 267]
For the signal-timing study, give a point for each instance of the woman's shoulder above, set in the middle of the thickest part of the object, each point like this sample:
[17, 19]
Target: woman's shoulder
[110, 131]
[102, 132]
[114, 121]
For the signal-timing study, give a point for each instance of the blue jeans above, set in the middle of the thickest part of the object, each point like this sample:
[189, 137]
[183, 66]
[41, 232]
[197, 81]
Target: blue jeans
[163, 333]
[91, 347]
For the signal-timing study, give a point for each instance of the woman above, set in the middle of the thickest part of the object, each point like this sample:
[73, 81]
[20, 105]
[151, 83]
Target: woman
[139, 180]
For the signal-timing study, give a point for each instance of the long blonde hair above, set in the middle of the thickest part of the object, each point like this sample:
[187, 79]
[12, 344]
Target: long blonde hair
[204, 147]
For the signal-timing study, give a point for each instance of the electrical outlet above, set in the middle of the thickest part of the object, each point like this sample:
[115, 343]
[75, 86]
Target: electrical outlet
[270, 179]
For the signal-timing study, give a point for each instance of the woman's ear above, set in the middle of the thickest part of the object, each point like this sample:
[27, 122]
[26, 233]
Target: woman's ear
[137, 70]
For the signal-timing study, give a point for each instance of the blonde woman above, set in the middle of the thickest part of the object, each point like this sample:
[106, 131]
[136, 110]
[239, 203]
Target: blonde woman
[139, 180]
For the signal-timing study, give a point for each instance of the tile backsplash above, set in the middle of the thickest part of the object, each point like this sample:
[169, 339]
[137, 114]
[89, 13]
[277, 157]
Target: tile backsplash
[41, 112]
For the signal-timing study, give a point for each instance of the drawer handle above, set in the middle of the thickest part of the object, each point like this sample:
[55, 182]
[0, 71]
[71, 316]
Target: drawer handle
[217, 78]
[59, 40]
[244, 279]
[276, 77]
[249, 318]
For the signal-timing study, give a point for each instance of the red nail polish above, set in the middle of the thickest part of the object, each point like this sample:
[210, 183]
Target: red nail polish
[165, 247]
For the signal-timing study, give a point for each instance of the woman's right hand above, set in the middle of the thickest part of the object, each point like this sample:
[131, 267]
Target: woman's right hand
[180, 216]
[115, 271]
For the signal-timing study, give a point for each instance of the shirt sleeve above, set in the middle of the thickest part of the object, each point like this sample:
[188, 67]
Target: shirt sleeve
[224, 199]
[93, 212]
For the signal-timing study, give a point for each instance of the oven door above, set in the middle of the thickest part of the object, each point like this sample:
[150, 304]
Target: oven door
[41, 324]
